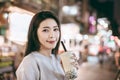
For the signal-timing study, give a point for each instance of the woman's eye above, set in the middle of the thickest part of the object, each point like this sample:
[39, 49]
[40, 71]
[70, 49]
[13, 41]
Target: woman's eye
[56, 29]
[45, 30]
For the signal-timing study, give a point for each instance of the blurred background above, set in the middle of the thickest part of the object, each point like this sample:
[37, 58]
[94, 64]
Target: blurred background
[90, 28]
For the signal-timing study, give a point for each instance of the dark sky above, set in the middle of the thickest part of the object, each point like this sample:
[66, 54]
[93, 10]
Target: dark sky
[103, 7]
[106, 8]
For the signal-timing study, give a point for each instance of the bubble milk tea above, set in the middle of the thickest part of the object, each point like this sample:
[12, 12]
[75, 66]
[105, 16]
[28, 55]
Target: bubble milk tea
[69, 68]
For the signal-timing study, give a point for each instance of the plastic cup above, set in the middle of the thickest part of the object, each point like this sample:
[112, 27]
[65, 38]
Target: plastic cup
[67, 60]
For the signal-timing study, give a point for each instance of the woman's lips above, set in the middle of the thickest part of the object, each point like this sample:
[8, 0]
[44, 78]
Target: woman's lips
[51, 42]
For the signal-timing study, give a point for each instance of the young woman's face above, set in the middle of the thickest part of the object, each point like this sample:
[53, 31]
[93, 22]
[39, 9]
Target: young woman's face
[48, 34]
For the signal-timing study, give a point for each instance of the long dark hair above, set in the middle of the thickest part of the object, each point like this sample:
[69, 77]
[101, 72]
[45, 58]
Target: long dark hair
[33, 43]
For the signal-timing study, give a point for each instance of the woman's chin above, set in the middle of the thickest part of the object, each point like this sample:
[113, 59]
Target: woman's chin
[51, 47]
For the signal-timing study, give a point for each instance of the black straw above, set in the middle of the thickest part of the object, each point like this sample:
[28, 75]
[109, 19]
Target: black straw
[63, 46]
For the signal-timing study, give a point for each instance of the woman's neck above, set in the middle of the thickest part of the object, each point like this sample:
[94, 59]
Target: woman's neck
[45, 52]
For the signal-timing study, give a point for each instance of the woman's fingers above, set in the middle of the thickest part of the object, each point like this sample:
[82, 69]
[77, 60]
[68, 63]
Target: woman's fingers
[74, 62]
[74, 57]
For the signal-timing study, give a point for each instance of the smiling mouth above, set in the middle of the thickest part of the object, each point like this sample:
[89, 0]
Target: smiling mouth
[51, 42]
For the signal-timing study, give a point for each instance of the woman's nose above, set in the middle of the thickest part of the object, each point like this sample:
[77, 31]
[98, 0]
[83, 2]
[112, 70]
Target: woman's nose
[51, 35]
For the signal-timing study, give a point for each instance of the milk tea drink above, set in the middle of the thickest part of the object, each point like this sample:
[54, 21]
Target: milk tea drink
[67, 60]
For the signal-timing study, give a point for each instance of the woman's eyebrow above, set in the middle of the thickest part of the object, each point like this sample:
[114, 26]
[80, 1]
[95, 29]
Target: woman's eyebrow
[49, 27]
[46, 27]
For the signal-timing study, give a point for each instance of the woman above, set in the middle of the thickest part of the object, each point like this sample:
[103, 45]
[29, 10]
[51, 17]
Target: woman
[41, 61]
